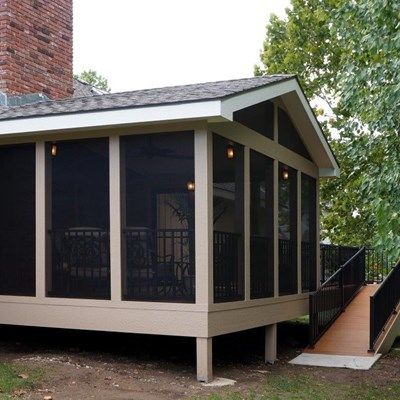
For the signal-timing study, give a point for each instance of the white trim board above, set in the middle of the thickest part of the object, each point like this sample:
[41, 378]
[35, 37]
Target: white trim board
[111, 118]
[333, 361]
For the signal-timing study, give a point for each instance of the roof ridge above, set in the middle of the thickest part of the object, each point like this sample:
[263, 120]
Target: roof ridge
[71, 99]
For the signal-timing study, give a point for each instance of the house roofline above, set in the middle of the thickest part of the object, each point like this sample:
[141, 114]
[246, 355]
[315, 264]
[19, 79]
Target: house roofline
[214, 110]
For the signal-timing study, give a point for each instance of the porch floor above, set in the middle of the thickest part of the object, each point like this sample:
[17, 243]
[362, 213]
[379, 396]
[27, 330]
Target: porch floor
[349, 334]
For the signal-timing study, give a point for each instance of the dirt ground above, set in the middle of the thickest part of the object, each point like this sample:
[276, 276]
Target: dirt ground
[89, 365]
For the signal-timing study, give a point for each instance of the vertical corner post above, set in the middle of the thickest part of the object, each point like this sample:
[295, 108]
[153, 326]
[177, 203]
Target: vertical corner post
[115, 219]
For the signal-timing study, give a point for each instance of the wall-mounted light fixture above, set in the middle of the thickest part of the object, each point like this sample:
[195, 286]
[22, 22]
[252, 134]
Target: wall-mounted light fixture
[54, 149]
[230, 151]
[285, 174]
[190, 186]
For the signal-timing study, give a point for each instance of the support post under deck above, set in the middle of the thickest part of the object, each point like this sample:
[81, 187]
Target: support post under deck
[270, 343]
[204, 359]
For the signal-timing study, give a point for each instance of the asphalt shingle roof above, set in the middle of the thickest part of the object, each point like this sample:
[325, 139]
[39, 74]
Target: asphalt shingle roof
[83, 89]
[141, 98]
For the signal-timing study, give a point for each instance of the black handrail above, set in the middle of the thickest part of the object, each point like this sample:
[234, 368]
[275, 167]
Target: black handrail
[333, 257]
[378, 263]
[383, 304]
[328, 302]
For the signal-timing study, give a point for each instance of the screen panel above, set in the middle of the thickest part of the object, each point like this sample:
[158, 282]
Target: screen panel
[17, 220]
[228, 201]
[261, 226]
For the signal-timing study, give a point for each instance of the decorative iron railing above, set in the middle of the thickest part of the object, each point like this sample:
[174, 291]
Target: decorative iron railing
[287, 267]
[383, 304]
[160, 265]
[331, 298]
[80, 263]
[228, 274]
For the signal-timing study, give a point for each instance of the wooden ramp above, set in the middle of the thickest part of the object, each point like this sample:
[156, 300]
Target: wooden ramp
[345, 344]
[349, 334]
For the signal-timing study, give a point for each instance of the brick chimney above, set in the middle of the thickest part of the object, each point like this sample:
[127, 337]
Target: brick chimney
[36, 49]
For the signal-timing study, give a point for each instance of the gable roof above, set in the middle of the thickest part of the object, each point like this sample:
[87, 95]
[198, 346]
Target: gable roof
[214, 102]
[141, 98]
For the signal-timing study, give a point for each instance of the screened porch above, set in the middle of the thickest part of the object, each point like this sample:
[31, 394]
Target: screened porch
[263, 212]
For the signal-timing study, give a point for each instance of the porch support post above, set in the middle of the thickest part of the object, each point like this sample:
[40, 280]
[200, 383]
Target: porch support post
[270, 344]
[299, 280]
[115, 219]
[204, 359]
[275, 205]
[276, 227]
[43, 222]
[247, 271]
[204, 216]
[318, 238]
[204, 241]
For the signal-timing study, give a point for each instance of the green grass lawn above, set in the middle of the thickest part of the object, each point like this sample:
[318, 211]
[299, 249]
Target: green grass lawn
[301, 387]
[11, 380]
[298, 385]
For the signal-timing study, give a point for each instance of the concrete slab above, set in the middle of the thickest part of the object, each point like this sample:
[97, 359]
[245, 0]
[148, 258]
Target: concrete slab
[220, 382]
[327, 360]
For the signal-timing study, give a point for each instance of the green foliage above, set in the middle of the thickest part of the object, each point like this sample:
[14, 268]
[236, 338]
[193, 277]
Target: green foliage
[303, 44]
[369, 80]
[95, 79]
[348, 53]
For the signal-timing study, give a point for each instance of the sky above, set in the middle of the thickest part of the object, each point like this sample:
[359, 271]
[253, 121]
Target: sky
[140, 44]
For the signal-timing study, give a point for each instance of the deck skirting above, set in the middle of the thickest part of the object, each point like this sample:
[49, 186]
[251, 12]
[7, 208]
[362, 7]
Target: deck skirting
[174, 319]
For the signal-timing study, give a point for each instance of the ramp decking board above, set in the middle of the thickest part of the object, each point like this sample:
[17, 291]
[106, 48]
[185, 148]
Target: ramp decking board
[349, 334]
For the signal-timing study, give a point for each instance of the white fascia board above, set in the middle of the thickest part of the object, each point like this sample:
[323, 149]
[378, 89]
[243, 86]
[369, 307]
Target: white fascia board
[317, 128]
[112, 118]
[240, 101]
[329, 172]
[235, 103]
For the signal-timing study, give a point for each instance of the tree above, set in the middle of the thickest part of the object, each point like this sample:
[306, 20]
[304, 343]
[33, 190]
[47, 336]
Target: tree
[348, 53]
[370, 35]
[303, 44]
[94, 79]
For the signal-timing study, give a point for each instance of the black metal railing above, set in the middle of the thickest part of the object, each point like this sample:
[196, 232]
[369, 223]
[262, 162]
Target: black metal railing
[331, 298]
[160, 265]
[228, 274]
[333, 257]
[287, 267]
[378, 265]
[308, 266]
[383, 304]
[262, 267]
[80, 263]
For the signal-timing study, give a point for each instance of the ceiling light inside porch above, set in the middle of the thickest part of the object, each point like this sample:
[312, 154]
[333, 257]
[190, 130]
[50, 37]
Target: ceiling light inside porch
[230, 152]
[54, 149]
